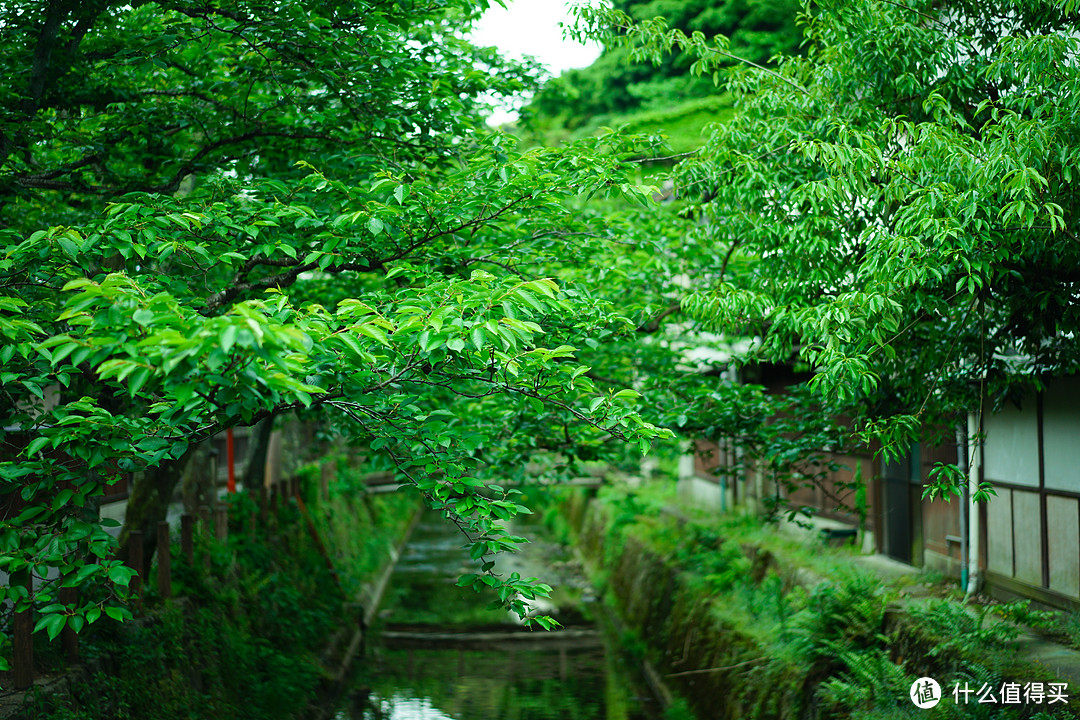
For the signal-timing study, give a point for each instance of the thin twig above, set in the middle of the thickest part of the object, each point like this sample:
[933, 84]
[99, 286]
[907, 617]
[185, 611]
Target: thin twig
[716, 669]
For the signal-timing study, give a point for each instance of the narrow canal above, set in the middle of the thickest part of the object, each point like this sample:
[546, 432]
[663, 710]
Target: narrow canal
[436, 653]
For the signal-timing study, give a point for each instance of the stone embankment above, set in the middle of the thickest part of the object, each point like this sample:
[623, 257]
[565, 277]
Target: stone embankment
[739, 628]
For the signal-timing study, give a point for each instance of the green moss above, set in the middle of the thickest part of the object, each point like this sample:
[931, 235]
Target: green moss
[244, 638]
[725, 614]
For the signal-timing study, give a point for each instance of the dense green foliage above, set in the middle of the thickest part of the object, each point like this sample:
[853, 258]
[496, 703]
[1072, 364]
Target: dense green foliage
[323, 226]
[891, 215]
[342, 243]
[103, 98]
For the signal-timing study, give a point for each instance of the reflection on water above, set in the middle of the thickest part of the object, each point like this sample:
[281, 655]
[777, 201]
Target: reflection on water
[482, 685]
[441, 656]
[404, 707]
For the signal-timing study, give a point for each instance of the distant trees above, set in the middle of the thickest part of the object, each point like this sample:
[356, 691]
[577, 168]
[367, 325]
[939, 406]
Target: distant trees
[102, 98]
[616, 85]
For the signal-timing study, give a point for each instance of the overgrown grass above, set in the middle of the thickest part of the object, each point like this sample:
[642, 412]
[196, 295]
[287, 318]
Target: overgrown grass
[797, 627]
[384, 518]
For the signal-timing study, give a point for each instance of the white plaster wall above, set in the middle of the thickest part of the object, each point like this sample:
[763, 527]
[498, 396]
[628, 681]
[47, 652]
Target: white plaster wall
[1061, 435]
[1011, 448]
[700, 493]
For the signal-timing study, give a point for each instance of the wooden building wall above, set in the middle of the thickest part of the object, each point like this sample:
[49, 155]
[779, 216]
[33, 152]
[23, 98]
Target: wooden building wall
[1031, 455]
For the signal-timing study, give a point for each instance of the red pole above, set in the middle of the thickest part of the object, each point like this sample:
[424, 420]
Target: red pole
[230, 460]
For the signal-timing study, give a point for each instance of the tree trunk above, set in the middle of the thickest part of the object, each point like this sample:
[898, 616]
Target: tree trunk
[255, 470]
[148, 504]
[200, 477]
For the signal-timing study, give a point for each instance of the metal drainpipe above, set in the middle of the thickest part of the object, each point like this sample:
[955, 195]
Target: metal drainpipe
[723, 468]
[965, 508]
[974, 549]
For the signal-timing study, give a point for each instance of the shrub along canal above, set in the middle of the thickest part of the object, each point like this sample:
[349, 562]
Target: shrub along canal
[436, 652]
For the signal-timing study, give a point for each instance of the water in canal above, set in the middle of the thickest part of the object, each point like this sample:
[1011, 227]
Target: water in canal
[437, 653]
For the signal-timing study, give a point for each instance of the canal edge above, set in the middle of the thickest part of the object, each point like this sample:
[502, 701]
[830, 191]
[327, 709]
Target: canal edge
[609, 618]
[367, 605]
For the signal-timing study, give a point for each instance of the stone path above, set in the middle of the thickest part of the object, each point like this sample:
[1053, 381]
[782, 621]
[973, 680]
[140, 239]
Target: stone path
[1060, 660]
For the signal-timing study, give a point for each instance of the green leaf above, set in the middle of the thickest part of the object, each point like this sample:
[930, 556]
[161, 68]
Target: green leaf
[62, 498]
[84, 572]
[228, 338]
[548, 623]
[36, 445]
[76, 284]
[372, 331]
[120, 575]
[138, 379]
[143, 316]
[53, 624]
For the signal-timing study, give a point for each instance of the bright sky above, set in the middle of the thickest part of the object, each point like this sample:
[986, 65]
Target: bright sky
[531, 27]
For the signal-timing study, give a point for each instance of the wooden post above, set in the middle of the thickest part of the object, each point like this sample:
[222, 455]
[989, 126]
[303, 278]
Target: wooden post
[22, 640]
[68, 637]
[326, 472]
[164, 565]
[135, 560]
[263, 503]
[221, 521]
[187, 537]
[204, 532]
